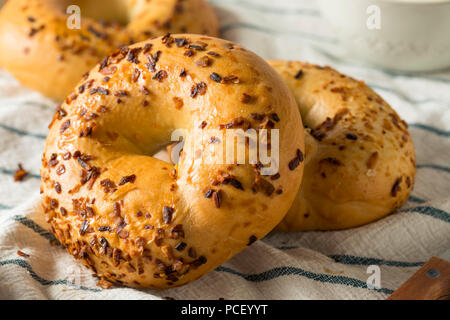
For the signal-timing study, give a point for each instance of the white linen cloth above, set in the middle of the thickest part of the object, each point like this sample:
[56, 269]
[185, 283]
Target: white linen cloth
[303, 265]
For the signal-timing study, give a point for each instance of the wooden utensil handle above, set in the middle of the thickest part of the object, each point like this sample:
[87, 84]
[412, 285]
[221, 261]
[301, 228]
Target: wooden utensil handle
[430, 282]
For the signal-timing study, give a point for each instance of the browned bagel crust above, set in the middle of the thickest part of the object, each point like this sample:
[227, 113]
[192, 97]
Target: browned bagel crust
[44, 54]
[360, 160]
[141, 222]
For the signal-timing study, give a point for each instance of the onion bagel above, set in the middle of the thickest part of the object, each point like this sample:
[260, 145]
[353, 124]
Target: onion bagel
[360, 160]
[142, 222]
[43, 53]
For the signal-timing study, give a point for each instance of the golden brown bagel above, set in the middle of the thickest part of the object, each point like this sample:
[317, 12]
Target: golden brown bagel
[360, 160]
[41, 51]
[143, 222]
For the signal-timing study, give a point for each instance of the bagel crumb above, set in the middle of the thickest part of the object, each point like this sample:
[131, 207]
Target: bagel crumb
[61, 112]
[275, 176]
[65, 125]
[145, 91]
[396, 187]
[121, 93]
[160, 75]
[116, 209]
[61, 170]
[180, 42]
[200, 261]
[81, 88]
[159, 237]
[177, 232]
[231, 79]
[217, 197]
[84, 227]
[108, 71]
[332, 161]
[214, 140]
[319, 136]
[371, 162]
[54, 204]
[33, 31]
[275, 117]
[198, 89]
[299, 74]
[263, 185]
[57, 187]
[257, 116]
[267, 124]
[123, 234]
[104, 63]
[23, 254]
[351, 136]
[99, 90]
[178, 103]
[104, 284]
[165, 38]
[108, 186]
[53, 162]
[214, 54]
[167, 252]
[133, 55]
[180, 246]
[251, 240]
[167, 214]
[152, 60]
[198, 45]
[72, 97]
[178, 266]
[136, 74]
[215, 77]
[116, 256]
[294, 163]
[229, 46]
[237, 122]
[83, 163]
[147, 48]
[209, 193]
[234, 182]
[203, 62]
[245, 98]
[189, 53]
[97, 33]
[408, 182]
[127, 179]
[192, 253]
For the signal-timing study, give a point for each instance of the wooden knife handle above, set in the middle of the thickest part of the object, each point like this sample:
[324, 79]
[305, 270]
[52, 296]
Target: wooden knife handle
[431, 282]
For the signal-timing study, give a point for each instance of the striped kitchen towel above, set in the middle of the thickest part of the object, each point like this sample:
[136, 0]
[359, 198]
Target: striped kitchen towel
[303, 265]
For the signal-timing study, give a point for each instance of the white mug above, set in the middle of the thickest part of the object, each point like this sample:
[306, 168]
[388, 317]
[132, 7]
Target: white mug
[401, 35]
